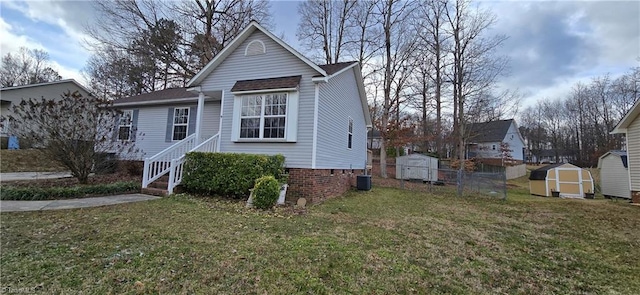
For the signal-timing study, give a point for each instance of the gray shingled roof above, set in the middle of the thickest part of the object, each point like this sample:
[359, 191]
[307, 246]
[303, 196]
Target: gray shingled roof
[541, 173]
[493, 131]
[265, 84]
[160, 95]
[336, 67]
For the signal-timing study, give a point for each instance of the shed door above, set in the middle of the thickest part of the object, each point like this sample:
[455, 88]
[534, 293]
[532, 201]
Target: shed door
[569, 182]
[415, 168]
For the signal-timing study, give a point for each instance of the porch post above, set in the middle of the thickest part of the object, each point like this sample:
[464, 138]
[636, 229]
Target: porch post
[199, 114]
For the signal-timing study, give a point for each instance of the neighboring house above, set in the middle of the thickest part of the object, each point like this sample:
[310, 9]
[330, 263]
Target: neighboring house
[258, 95]
[10, 96]
[614, 174]
[485, 139]
[630, 126]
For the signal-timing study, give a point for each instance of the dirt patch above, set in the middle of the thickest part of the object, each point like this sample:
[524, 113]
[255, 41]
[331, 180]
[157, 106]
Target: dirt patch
[28, 160]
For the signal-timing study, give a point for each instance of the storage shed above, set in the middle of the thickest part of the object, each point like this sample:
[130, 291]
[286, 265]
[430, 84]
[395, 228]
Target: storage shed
[614, 174]
[569, 180]
[417, 166]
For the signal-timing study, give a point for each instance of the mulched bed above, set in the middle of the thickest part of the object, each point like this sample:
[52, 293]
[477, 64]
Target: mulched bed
[70, 181]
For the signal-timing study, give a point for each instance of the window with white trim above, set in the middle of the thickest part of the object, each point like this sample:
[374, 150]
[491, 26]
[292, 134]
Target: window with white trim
[263, 116]
[180, 123]
[350, 141]
[125, 125]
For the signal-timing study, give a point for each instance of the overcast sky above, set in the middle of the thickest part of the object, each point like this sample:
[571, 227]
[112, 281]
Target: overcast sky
[551, 44]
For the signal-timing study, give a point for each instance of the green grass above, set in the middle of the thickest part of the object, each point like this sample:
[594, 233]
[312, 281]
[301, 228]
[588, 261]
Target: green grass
[379, 242]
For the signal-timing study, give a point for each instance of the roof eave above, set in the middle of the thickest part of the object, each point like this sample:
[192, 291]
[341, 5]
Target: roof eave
[627, 119]
[155, 101]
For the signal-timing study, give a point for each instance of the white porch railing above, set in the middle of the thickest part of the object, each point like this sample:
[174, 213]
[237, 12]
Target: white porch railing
[177, 165]
[160, 163]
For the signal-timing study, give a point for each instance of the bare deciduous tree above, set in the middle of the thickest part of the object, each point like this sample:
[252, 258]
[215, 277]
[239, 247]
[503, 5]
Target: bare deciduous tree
[74, 131]
[27, 66]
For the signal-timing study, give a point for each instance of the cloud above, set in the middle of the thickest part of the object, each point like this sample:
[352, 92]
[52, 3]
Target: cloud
[553, 45]
[54, 26]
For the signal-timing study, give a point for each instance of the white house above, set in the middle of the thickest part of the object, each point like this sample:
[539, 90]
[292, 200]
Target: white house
[630, 126]
[614, 174]
[485, 139]
[258, 95]
[10, 96]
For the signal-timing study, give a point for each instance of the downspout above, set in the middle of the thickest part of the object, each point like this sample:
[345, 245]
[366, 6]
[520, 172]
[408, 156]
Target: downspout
[315, 126]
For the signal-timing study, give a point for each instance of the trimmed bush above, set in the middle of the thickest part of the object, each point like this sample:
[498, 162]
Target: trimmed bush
[266, 192]
[228, 174]
[58, 193]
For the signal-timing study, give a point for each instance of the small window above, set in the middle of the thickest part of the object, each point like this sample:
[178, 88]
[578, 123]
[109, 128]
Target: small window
[494, 147]
[255, 47]
[124, 126]
[180, 123]
[350, 134]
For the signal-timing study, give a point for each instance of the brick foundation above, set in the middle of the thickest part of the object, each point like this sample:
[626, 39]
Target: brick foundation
[635, 197]
[317, 185]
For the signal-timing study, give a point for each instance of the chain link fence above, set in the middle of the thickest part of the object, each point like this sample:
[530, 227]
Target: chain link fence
[444, 181]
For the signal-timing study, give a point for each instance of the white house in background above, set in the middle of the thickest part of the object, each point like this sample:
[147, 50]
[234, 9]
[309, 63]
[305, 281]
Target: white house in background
[10, 96]
[485, 138]
[258, 95]
[614, 174]
[630, 126]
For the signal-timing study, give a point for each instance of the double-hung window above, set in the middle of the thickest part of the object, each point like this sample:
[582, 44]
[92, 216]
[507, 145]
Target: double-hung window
[180, 123]
[125, 125]
[350, 133]
[263, 116]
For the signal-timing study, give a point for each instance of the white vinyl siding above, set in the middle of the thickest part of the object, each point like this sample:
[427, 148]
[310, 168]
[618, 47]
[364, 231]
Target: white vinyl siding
[614, 177]
[276, 62]
[339, 100]
[633, 152]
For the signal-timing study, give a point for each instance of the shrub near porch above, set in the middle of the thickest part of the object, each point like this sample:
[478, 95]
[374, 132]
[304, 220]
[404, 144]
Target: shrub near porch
[228, 174]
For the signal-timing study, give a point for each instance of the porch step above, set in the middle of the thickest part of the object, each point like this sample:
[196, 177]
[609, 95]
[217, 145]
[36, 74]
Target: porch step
[155, 191]
[159, 184]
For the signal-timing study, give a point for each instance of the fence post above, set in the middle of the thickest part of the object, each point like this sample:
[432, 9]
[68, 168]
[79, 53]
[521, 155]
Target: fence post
[459, 182]
[401, 176]
[145, 173]
[504, 184]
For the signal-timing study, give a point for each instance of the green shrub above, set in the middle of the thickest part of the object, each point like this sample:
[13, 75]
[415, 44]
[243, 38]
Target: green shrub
[228, 174]
[58, 193]
[266, 192]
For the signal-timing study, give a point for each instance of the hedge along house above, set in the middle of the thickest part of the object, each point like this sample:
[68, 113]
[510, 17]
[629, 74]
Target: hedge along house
[630, 126]
[259, 96]
[569, 180]
[614, 174]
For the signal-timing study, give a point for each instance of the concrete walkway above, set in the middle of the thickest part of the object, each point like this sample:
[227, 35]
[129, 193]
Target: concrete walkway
[21, 206]
[11, 176]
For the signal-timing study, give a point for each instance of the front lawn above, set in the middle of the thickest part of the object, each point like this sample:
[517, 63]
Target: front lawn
[380, 242]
